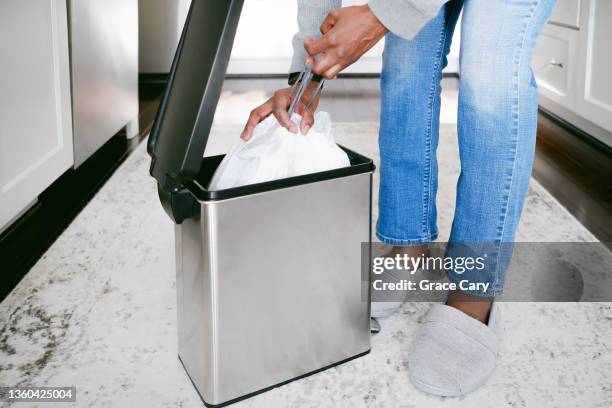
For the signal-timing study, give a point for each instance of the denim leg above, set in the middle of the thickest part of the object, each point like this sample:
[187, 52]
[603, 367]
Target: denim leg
[409, 124]
[497, 128]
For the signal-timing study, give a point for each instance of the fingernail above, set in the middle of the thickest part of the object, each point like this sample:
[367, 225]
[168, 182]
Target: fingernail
[306, 129]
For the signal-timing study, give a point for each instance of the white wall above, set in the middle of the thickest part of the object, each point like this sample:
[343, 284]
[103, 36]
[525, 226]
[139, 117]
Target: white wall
[263, 40]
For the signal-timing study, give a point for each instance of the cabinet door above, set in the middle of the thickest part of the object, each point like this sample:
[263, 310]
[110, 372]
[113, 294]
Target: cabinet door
[554, 60]
[595, 77]
[35, 119]
[566, 13]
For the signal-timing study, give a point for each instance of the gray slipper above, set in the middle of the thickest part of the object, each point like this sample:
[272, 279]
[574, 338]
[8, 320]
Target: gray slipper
[453, 353]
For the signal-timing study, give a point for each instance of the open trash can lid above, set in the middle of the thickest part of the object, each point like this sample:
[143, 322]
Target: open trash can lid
[187, 109]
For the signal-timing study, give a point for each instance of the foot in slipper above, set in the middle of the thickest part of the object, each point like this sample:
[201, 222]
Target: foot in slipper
[453, 353]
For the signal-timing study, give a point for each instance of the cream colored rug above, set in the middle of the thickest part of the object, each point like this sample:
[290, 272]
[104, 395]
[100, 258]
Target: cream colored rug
[97, 312]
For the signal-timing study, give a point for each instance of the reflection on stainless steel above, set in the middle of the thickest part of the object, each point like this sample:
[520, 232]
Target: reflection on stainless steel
[269, 288]
[104, 69]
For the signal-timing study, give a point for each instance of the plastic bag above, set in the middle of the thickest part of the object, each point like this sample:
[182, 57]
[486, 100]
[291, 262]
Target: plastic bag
[274, 153]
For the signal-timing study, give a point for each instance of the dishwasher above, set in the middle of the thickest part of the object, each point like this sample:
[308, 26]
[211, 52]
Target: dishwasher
[103, 38]
[268, 276]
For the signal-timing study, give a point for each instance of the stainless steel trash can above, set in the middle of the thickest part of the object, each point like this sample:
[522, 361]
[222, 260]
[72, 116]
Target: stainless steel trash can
[268, 276]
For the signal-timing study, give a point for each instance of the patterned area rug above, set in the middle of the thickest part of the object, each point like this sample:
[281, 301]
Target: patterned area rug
[98, 312]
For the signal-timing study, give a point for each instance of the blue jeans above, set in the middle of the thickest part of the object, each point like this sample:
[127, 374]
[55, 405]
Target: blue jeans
[497, 121]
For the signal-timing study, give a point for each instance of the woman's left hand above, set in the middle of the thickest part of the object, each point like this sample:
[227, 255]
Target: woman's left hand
[348, 33]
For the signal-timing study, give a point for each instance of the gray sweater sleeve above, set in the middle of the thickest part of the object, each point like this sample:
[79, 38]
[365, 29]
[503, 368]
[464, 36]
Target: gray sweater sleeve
[311, 14]
[404, 18]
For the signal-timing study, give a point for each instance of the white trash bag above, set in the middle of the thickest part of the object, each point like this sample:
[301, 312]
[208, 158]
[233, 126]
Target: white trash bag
[274, 153]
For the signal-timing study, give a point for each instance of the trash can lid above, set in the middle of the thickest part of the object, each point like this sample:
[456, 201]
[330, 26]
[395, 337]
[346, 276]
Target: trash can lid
[180, 131]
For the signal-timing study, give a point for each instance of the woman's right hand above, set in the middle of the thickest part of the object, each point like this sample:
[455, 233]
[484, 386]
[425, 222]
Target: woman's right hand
[278, 105]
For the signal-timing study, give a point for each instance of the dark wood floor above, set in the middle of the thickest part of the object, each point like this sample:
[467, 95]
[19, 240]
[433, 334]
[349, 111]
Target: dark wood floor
[577, 171]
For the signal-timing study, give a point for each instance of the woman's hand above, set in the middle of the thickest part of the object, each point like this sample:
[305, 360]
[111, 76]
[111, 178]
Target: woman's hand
[278, 105]
[348, 33]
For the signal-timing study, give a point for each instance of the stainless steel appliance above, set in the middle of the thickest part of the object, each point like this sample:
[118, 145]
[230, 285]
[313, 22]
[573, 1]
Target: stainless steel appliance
[268, 276]
[104, 71]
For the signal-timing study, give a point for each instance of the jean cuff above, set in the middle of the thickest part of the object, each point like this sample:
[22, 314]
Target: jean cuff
[406, 242]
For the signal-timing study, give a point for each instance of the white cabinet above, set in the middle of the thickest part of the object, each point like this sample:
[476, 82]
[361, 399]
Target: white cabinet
[595, 100]
[567, 13]
[572, 63]
[554, 62]
[35, 117]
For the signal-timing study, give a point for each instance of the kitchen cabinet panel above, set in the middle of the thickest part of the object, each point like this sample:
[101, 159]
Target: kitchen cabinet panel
[567, 13]
[595, 102]
[36, 129]
[553, 63]
[572, 67]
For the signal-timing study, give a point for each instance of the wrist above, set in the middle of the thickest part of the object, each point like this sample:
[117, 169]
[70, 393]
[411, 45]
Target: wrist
[376, 21]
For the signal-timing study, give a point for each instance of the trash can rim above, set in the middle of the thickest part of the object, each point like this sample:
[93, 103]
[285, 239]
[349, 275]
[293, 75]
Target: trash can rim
[359, 165]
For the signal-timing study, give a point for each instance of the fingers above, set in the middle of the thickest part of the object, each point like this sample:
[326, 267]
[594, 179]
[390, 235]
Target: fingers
[281, 102]
[307, 120]
[285, 121]
[316, 46]
[333, 71]
[329, 22]
[276, 105]
[308, 106]
[327, 61]
[256, 116]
